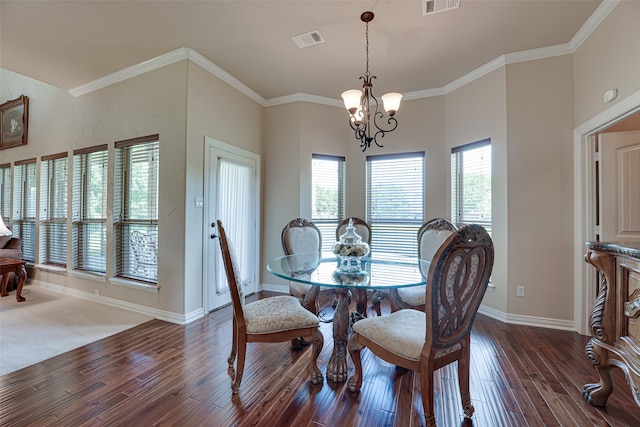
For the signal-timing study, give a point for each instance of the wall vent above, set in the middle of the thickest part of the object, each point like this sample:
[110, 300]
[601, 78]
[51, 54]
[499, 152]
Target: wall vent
[308, 39]
[429, 7]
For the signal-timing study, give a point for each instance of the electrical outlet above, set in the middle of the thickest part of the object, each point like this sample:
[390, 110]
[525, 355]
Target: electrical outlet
[520, 291]
[96, 291]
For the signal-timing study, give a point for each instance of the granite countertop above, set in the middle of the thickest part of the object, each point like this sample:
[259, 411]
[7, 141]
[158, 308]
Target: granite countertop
[631, 249]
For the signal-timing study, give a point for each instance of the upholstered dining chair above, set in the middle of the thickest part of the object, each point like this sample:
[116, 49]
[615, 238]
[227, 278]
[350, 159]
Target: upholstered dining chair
[302, 236]
[363, 229]
[431, 236]
[426, 341]
[270, 320]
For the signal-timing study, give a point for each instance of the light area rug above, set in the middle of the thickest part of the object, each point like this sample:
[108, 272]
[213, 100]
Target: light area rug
[50, 323]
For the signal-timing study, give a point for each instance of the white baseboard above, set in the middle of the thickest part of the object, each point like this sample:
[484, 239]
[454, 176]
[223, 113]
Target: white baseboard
[519, 319]
[281, 289]
[181, 319]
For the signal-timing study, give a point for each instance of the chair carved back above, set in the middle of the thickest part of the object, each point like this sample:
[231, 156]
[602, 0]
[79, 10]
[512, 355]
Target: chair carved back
[231, 267]
[145, 251]
[458, 278]
[299, 236]
[431, 236]
[363, 229]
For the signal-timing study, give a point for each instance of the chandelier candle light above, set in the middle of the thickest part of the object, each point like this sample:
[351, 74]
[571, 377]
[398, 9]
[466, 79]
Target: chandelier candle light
[363, 105]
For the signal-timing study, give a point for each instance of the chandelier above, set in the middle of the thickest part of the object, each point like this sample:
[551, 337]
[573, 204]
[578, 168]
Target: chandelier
[365, 116]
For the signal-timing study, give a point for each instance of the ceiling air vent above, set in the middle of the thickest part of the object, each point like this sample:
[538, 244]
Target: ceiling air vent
[308, 39]
[429, 7]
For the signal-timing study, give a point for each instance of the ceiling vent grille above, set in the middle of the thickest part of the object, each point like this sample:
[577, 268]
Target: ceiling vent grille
[429, 7]
[308, 39]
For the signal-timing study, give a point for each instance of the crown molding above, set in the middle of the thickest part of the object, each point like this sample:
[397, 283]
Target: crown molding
[197, 58]
[304, 97]
[601, 12]
[596, 18]
[133, 71]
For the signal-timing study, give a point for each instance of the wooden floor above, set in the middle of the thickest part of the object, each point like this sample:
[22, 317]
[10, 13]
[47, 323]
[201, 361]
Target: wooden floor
[165, 374]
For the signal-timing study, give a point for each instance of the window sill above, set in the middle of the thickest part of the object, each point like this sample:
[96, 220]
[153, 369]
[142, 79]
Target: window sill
[132, 284]
[52, 269]
[98, 277]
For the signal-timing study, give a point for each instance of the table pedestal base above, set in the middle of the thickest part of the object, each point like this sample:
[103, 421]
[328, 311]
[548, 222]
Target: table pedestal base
[337, 367]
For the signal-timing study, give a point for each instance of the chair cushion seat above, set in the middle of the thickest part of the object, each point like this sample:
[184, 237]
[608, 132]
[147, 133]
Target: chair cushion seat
[276, 314]
[401, 333]
[413, 295]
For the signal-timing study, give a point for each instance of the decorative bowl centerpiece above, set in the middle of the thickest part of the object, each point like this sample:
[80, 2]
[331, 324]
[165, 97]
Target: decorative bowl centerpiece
[352, 278]
[350, 249]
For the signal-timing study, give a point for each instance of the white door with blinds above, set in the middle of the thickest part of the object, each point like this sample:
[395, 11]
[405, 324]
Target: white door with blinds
[232, 196]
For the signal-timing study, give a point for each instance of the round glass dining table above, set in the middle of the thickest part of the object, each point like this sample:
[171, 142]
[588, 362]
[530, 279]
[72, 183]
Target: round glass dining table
[377, 271]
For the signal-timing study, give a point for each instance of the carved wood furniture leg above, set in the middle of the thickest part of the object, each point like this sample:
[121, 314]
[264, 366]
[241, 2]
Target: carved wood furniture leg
[22, 277]
[5, 283]
[598, 393]
[602, 328]
[361, 301]
[337, 366]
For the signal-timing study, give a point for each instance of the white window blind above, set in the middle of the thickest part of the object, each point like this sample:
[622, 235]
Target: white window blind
[328, 196]
[471, 184]
[135, 210]
[395, 202]
[89, 209]
[5, 193]
[24, 206]
[53, 210]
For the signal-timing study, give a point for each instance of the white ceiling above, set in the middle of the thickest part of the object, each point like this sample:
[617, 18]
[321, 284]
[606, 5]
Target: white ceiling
[72, 43]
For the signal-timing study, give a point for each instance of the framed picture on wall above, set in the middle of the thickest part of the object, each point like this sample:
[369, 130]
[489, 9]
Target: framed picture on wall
[14, 118]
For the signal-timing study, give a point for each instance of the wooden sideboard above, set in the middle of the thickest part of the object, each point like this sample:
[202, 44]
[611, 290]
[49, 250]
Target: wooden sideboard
[615, 321]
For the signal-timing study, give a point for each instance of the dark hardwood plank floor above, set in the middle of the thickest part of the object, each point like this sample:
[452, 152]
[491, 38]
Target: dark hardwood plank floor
[162, 374]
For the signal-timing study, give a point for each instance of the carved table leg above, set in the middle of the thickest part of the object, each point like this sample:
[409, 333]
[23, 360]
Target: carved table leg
[337, 367]
[22, 276]
[598, 393]
[361, 301]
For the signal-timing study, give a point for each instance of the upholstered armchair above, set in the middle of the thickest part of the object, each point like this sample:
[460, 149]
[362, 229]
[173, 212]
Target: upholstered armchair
[10, 248]
[270, 320]
[425, 341]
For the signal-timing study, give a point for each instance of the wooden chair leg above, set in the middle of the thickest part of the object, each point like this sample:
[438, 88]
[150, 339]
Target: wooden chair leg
[318, 342]
[463, 378]
[354, 383]
[242, 353]
[426, 387]
[234, 347]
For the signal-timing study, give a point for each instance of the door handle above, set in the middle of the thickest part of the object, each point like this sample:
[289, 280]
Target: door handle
[213, 236]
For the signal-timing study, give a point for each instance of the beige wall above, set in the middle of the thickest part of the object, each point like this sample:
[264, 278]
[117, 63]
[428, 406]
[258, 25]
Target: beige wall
[528, 110]
[608, 59]
[475, 112]
[540, 187]
[182, 103]
[148, 104]
[216, 110]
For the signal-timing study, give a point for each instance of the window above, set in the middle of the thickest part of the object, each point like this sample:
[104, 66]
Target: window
[395, 202]
[53, 210]
[328, 196]
[5, 192]
[135, 209]
[89, 209]
[24, 206]
[471, 184]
